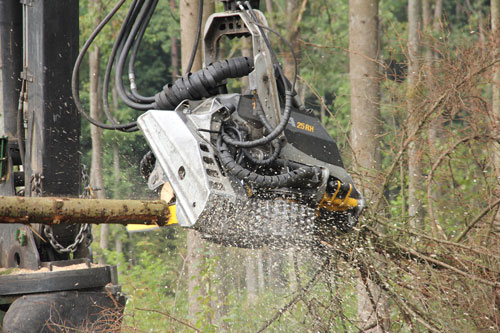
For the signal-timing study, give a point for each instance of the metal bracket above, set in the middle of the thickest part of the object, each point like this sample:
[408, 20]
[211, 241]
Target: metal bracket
[27, 2]
[26, 76]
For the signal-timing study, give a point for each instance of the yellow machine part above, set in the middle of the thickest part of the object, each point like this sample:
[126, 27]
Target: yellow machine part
[338, 204]
[144, 227]
[167, 194]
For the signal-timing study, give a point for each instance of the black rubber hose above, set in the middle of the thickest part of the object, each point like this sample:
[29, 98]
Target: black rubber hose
[239, 153]
[268, 44]
[201, 84]
[121, 62]
[271, 136]
[288, 97]
[275, 143]
[75, 81]
[135, 49]
[283, 180]
[118, 45]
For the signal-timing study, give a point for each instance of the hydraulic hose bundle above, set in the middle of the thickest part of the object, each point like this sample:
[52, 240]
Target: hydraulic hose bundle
[276, 181]
[129, 38]
[204, 83]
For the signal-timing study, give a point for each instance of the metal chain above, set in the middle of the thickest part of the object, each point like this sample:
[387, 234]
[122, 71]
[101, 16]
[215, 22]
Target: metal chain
[80, 238]
[36, 185]
[84, 235]
[88, 192]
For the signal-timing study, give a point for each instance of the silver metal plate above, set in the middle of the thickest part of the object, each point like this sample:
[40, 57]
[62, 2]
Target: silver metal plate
[188, 161]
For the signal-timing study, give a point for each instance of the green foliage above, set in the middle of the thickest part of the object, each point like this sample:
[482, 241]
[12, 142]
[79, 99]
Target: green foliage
[152, 266]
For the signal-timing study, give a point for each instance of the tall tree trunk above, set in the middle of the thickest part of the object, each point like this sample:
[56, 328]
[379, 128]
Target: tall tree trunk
[116, 168]
[365, 130]
[429, 61]
[116, 148]
[427, 27]
[188, 19]
[294, 12]
[260, 271]
[495, 28]
[250, 276]
[269, 6]
[292, 276]
[118, 247]
[294, 16]
[174, 49]
[495, 103]
[220, 283]
[365, 90]
[246, 51]
[432, 23]
[249, 262]
[438, 12]
[434, 127]
[96, 176]
[415, 178]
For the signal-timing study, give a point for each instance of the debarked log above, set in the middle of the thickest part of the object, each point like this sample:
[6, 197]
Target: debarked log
[47, 210]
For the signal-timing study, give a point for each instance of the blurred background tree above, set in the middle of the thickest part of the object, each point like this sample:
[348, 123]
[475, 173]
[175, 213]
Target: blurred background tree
[414, 109]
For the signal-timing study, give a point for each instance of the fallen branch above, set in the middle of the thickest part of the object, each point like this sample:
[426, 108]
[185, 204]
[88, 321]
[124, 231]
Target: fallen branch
[185, 323]
[476, 220]
[299, 296]
[438, 102]
[434, 223]
[412, 253]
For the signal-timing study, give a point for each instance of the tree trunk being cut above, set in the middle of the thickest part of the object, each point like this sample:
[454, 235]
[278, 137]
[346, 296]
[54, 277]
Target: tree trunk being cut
[74, 211]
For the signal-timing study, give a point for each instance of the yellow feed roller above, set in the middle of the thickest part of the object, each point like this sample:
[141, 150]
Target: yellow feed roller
[337, 203]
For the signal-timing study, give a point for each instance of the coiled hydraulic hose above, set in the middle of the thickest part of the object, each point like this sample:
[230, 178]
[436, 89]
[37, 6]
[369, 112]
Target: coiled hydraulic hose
[277, 181]
[202, 83]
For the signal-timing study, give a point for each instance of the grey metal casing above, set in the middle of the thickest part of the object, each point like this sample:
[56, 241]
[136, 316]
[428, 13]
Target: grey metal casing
[262, 80]
[188, 160]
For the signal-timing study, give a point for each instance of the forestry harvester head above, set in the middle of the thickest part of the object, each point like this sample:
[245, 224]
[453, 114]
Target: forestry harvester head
[247, 169]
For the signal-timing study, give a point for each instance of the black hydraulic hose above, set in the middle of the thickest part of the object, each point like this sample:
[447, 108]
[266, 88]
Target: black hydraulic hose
[75, 81]
[275, 143]
[198, 35]
[294, 56]
[121, 62]
[127, 27]
[131, 16]
[202, 83]
[135, 49]
[282, 180]
[288, 97]
[271, 136]
[239, 153]
[266, 40]
[268, 44]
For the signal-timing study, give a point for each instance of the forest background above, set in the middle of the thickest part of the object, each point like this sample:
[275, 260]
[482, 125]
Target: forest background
[410, 90]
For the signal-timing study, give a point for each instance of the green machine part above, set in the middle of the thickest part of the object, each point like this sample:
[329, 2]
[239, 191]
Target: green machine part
[4, 160]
